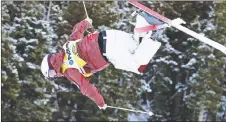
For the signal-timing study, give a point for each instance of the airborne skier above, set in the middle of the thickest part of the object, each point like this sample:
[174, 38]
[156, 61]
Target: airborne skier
[81, 57]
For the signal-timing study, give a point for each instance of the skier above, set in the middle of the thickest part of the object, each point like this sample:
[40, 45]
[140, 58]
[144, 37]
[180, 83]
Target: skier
[82, 57]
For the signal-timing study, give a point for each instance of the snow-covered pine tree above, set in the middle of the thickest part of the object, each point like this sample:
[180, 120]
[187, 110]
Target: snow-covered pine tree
[208, 86]
[25, 39]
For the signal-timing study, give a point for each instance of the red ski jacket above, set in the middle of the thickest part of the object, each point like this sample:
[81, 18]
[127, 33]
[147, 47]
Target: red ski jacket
[88, 50]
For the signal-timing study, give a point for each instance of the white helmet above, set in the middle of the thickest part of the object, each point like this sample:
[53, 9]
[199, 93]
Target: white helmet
[45, 66]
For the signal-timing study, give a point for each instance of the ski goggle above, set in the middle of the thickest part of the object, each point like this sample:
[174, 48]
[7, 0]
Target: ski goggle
[51, 73]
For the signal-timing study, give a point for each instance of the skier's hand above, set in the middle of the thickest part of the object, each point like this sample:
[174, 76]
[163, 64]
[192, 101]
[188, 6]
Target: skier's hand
[89, 20]
[104, 107]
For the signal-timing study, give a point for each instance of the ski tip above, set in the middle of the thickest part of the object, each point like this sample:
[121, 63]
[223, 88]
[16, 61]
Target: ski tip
[150, 113]
[178, 21]
[224, 51]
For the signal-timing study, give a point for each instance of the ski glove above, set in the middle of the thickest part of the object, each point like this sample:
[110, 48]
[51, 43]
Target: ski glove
[104, 107]
[89, 20]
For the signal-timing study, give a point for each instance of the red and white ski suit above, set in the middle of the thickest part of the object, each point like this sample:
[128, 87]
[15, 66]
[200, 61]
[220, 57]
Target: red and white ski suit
[123, 50]
[88, 50]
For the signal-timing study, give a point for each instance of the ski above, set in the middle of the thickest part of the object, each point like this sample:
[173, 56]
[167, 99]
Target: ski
[176, 23]
[151, 28]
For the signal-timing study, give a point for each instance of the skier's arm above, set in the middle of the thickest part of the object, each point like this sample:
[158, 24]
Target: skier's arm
[79, 29]
[85, 87]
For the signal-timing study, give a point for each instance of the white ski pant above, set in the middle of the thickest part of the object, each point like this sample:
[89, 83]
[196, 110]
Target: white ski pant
[125, 53]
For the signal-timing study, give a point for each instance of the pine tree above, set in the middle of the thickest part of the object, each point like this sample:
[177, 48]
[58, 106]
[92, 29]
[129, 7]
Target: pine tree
[209, 89]
[186, 77]
[25, 93]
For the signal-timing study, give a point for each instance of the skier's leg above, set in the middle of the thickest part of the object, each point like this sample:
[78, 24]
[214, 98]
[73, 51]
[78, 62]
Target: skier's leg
[145, 51]
[120, 47]
[138, 61]
[147, 48]
[126, 53]
[140, 22]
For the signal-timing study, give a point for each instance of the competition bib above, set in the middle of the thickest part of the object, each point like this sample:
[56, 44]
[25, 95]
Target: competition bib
[72, 59]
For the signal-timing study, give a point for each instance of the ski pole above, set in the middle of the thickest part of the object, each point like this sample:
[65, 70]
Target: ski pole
[85, 9]
[86, 14]
[149, 113]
